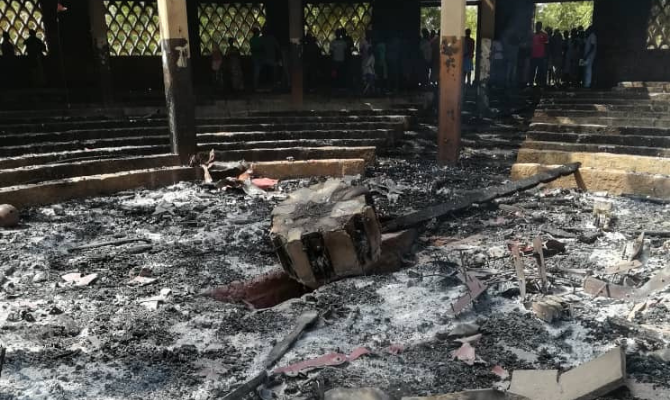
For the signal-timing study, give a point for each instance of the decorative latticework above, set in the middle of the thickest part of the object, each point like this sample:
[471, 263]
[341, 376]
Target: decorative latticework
[132, 28]
[658, 31]
[19, 16]
[323, 19]
[219, 22]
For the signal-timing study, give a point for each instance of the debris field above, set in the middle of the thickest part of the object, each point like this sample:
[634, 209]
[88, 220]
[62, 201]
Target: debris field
[129, 296]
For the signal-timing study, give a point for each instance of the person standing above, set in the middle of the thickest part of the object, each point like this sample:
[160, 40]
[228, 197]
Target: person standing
[234, 59]
[7, 61]
[511, 44]
[468, 56]
[435, 67]
[590, 49]
[216, 66]
[35, 50]
[271, 53]
[338, 53]
[538, 56]
[556, 58]
[381, 66]
[426, 56]
[256, 46]
[8, 50]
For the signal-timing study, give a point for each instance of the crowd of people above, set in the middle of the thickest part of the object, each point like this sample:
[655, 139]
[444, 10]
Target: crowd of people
[552, 58]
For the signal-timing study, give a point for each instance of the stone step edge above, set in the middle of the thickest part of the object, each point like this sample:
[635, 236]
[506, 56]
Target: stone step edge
[48, 172]
[614, 182]
[623, 162]
[57, 156]
[95, 185]
[50, 192]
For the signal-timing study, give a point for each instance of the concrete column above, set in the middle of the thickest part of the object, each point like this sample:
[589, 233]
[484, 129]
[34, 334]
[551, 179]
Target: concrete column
[179, 97]
[296, 32]
[96, 11]
[451, 80]
[487, 31]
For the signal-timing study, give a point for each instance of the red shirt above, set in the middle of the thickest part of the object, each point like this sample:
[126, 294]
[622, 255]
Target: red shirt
[540, 41]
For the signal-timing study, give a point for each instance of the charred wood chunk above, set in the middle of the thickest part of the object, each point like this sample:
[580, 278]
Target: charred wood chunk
[326, 232]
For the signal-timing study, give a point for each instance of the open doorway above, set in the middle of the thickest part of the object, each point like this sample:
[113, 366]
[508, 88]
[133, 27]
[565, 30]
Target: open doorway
[565, 16]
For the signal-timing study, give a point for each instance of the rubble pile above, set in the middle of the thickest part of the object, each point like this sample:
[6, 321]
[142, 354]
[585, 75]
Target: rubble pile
[539, 294]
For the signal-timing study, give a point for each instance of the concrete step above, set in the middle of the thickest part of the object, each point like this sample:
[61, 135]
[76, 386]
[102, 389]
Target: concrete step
[625, 107]
[624, 162]
[400, 110]
[597, 148]
[316, 143]
[17, 139]
[613, 181]
[117, 124]
[619, 140]
[255, 136]
[401, 125]
[598, 129]
[65, 126]
[294, 153]
[52, 147]
[639, 84]
[573, 113]
[600, 95]
[615, 122]
[80, 155]
[49, 172]
[94, 185]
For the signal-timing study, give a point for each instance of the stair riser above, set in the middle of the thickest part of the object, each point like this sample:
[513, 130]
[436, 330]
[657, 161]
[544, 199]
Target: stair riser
[71, 170]
[71, 146]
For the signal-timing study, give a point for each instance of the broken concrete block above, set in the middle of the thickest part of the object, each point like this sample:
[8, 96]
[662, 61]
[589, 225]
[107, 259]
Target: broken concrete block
[486, 394]
[326, 232]
[356, 394]
[595, 378]
[548, 309]
[589, 381]
[536, 384]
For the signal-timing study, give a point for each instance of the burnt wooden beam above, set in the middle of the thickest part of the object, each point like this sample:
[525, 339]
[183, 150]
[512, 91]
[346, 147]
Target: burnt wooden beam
[179, 97]
[478, 197]
[451, 80]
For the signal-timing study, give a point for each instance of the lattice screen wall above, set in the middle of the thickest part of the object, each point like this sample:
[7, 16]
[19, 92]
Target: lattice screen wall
[658, 31]
[219, 22]
[17, 17]
[132, 28]
[323, 19]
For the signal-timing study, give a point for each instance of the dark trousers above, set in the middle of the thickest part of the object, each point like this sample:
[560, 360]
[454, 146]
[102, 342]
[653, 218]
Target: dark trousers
[538, 71]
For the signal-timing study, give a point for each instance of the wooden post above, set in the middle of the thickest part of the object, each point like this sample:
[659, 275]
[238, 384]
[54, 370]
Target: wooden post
[96, 11]
[451, 80]
[296, 32]
[487, 31]
[175, 47]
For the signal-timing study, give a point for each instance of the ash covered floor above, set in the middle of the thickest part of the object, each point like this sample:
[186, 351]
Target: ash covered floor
[104, 340]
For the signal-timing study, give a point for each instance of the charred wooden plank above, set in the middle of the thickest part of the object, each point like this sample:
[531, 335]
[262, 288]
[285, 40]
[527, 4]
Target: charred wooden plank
[482, 196]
